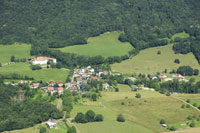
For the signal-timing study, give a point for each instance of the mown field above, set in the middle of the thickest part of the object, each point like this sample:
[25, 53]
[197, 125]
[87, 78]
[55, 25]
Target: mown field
[148, 110]
[105, 45]
[43, 74]
[17, 50]
[149, 62]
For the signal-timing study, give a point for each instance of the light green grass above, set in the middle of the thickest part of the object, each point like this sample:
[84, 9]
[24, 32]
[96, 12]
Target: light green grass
[109, 125]
[17, 50]
[35, 129]
[148, 62]
[43, 74]
[180, 35]
[194, 98]
[105, 45]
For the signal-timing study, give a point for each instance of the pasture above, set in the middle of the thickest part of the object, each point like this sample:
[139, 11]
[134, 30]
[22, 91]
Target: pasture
[149, 62]
[17, 50]
[105, 45]
[194, 98]
[43, 74]
[180, 35]
[147, 110]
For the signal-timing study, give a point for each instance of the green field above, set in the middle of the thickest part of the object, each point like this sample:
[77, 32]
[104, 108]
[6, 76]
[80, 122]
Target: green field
[18, 50]
[43, 74]
[147, 61]
[105, 45]
[180, 35]
[194, 98]
[149, 110]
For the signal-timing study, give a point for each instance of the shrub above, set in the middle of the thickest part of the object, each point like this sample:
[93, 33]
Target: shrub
[177, 61]
[120, 118]
[183, 106]
[172, 128]
[158, 53]
[116, 89]
[138, 95]
[192, 124]
[162, 121]
[94, 97]
[80, 118]
[90, 116]
[43, 130]
[122, 103]
[188, 100]
[196, 72]
[168, 94]
[71, 130]
[189, 118]
[99, 117]
[195, 104]
[0, 65]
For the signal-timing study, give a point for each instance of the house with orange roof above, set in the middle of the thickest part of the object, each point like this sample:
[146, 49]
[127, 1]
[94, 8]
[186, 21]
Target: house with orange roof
[60, 83]
[60, 90]
[43, 60]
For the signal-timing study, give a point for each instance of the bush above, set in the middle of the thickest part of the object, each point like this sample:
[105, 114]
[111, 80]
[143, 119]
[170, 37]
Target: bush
[94, 97]
[90, 116]
[177, 61]
[99, 117]
[194, 104]
[71, 130]
[80, 118]
[183, 106]
[192, 124]
[138, 95]
[196, 72]
[116, 89]
[43, 130]
[0, 65]
[188, 100]
[185, 70]
[189, 117]
[122, 103]
[158, 53]
[168, 94]
[162, 121]
[172, 128]
[120, 118]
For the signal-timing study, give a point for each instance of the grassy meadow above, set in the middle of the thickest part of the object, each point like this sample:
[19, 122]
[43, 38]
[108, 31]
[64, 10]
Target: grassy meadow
[149, 109]
[194, 98]
[17, 50]
[43, 74]
[180, 35]
[105, 45]
[148, 61]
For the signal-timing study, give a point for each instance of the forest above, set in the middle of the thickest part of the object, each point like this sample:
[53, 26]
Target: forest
[54, 24]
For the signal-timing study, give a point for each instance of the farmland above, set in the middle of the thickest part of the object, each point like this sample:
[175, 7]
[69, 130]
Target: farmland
[105, 45]
[148, 61]
[17, 50]
[43, 74]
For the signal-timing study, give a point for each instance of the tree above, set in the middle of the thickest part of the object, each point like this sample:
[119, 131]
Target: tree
[177, 61]
[188, 101]
[12, 59]
[0, 65]
[59, 65]
[99, 117]
[138, 95]
[183, 106]
[162, 121]
[94, 97]
[196, 72]
[172, 128]
[43, 130]
[120, 118]
[71, 130]
[90, 116]
[158, 53]
[168, 94]
[116, 89]
[80, 118]
[185, 70]
[192, 124]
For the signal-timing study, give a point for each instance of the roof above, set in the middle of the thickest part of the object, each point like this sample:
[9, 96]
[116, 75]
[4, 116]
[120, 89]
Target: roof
[42, 58]
[60, 88]
[60, 82]
[50, 88]
[94, 78]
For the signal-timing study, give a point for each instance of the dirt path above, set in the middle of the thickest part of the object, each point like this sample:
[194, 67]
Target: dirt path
[185, 102]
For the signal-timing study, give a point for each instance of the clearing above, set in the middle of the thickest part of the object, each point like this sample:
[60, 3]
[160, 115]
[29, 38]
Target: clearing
[105, 45]
[43, 74]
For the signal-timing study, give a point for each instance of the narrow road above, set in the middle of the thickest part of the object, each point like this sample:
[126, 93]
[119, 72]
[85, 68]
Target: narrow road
[185, 102]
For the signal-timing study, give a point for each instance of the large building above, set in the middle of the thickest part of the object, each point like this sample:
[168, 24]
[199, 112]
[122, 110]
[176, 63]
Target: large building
[42, 60]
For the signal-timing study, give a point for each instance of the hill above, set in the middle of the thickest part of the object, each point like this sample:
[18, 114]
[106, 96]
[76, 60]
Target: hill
[148, 61]
[105, 45]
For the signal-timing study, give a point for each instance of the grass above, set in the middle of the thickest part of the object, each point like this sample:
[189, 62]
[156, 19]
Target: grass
[148, 62]
[194, 98]
[148, 110]
[17, 50]
[180, 35]
[105, 45]
[109, 125]
[43, 74]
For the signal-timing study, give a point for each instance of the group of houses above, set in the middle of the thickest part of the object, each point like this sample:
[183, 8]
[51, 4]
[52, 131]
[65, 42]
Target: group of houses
[178, 77]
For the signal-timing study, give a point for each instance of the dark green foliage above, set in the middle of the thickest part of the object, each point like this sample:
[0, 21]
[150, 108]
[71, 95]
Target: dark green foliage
[43, 130]
[168, 94]
[116, 89]
[158, 53]
[16, 77]
[0, 65]
[67, 101]
[192, 124]
[188, 101]
[194, 104]
[59, 65]
[138, 95]
[123, 37]
[162, 121]
[35, 67]
[120, 118]
[185, 70]
[177, 61]
[196, 72]
[183, 106]
[94, 97]
[12, 59]
[172, 128]
[90, 116]
[183, 46]
[99, 117]
[80, 118]
[71, 130]
[188, 106]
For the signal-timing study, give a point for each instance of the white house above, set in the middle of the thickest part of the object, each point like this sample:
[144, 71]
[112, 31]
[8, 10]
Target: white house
[42, 60]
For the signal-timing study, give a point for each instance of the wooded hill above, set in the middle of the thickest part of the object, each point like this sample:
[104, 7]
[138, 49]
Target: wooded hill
[53, 23]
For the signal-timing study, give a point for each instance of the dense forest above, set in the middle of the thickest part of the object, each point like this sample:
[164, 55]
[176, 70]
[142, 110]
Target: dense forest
[53, 23]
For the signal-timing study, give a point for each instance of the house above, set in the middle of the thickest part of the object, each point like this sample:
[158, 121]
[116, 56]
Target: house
[51, 89]
[51, 124]
[60, 83]
[132, 79]
[7, 83]
[73, 89]
[162, 76]
[42, 60]
[51, 83]
[94, 78]
[85, 75]
[154, 77]
[35, 85]
[105, 86]
[60, 90]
